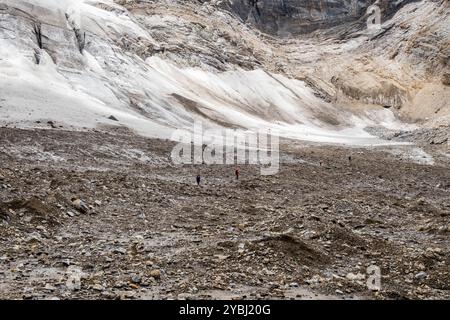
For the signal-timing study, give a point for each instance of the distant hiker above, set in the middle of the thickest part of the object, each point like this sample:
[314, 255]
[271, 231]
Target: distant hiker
[350, 159]
[237, 173]
[198, 179]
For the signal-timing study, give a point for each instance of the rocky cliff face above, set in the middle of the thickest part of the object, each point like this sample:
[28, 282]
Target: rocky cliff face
[288, 17]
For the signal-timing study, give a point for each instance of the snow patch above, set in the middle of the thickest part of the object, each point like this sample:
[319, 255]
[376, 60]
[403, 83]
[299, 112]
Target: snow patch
[414, 154]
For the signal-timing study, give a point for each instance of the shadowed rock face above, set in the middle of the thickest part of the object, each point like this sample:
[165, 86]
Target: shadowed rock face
[286, 17]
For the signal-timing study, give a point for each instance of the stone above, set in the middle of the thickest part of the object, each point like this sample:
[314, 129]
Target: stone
[421, 201]
[80, 205]
[50, 287]
[136, 279]
[436, 250]
[420, 266]
[421, 275]
[156, 273]
[134, 286]
[34, 237]
[98, 287]
[149, 263]
[119, 284]
[221, 257]
[446, 79]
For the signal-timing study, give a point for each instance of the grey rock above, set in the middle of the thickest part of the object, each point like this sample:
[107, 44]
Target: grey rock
[421, 275]
[446, 79]
[137, 279]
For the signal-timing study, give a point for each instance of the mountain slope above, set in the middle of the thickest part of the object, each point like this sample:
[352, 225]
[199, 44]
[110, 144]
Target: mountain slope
[156, 66]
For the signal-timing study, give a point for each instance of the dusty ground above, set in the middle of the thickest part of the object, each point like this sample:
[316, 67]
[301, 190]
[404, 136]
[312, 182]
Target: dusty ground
[308, 232]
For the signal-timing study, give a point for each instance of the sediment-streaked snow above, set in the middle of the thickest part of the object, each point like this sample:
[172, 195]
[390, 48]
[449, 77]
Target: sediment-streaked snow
[155, 97]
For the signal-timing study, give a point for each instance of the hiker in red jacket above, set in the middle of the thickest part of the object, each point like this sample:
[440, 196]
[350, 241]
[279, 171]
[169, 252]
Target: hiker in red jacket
[237, 173]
